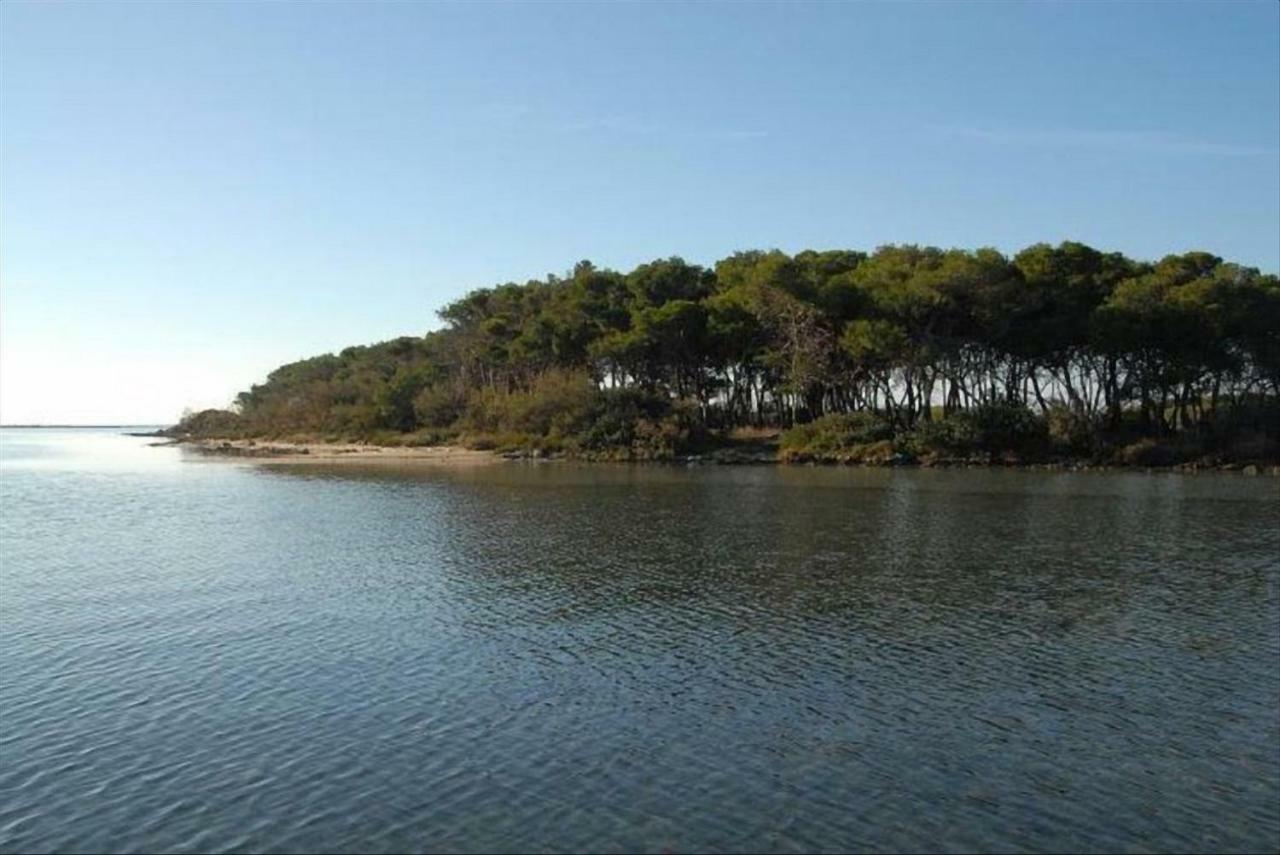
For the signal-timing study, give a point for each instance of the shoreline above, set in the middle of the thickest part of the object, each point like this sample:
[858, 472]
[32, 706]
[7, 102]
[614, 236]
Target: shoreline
[317, 452]
[303, 453]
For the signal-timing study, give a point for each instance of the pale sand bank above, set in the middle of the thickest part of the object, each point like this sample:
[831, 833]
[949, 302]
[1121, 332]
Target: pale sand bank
[338, 452]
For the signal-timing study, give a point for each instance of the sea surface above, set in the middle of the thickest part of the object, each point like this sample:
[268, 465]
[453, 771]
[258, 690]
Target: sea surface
[206, 655]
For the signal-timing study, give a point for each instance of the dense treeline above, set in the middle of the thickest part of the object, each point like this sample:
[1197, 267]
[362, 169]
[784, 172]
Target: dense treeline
[1059, 349]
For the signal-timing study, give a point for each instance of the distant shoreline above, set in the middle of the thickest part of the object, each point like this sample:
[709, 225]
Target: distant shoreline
[74, 427]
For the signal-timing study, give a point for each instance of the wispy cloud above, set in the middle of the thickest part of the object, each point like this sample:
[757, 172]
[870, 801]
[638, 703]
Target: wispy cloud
[1146, 142]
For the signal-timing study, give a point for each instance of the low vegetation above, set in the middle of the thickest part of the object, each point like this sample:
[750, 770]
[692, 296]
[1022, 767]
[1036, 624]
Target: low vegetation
[1015, 434]
[905, 353]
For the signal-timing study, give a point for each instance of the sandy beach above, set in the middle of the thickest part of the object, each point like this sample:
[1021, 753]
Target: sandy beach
[304, 453]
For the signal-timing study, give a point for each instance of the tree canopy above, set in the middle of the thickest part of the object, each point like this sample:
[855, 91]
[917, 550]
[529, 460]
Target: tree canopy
[909, 334]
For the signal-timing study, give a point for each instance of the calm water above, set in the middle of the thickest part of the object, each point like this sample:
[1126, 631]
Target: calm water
[203, 655]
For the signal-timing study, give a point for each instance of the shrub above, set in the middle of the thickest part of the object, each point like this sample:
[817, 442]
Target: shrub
[640, 423]
[438, 406]
[1010, 427]
[1071, 431]
[1247, 419]
[558, 403]
[354, 419]
[1147, 452]
[424, 437]
[505, 441]
[878, 453]
[394, 401]
[564, 410]
[481, 442]
[990, 428]
[1252, 446]
[221, 424]
[956, 434]
[834, 437]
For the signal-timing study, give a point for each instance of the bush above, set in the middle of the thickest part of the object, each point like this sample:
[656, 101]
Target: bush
[394, 401]
[220, 424]
[956, 434]
[1147, 452]
[990, 428]
[354, 419]
[877, 453]
[1010, 427]
[565, 411]
[637, 424]
[558, 404]
[438, 406]
[835, 437]
[1072, 432]
[1252, 446]
[481, 442]
[505, 441]
[424, 437]
[1247, 419]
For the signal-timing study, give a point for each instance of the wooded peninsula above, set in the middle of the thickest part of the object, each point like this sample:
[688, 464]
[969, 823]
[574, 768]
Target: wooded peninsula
[907, 353]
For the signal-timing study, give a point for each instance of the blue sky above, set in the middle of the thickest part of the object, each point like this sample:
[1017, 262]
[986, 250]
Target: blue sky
[192, 193]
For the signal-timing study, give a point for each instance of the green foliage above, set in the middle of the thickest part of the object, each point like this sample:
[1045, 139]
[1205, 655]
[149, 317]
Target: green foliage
[558, 404]
[438, 406]
[835, 437]
[947, 437]
[989, 429]
[1061, 349]
[564, 410]
[1072, 432]
[635, 423]
[1007, 427]
[220, 424]
[394, 400]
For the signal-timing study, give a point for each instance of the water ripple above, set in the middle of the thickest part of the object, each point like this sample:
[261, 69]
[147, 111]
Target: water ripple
[204, 658]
